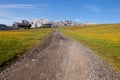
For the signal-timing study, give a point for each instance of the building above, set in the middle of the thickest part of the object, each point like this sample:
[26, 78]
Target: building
[46, 26]
[23, 25]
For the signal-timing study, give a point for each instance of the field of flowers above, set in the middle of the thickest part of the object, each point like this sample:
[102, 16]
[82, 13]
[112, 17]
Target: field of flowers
[103, 39]
[15, 42]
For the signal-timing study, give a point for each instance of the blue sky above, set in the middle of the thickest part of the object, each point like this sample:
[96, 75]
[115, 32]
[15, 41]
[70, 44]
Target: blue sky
[96, 11]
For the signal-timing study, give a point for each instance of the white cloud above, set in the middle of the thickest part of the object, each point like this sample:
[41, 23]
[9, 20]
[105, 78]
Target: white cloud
[6, 21]
[6, 14]
[21, 6]
[9, 18]
[93, 8]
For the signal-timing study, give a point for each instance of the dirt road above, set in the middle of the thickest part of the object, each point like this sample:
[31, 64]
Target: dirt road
[61, 59]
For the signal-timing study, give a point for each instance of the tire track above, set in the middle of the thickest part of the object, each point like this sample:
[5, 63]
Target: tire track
[62, 59]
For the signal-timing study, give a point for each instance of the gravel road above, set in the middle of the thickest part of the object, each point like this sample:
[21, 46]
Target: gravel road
[59, 58]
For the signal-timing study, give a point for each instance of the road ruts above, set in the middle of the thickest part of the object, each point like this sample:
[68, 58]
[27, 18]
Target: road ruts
[63, 59]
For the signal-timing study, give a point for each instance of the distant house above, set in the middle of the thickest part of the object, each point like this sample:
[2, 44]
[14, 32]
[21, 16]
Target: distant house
[46, 26]
[23, 25]
[4, 27]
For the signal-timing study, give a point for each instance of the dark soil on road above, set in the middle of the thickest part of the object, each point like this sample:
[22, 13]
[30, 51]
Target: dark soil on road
[59, 58]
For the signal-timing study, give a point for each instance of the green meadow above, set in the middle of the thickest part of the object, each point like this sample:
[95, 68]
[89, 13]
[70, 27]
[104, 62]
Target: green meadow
[15, 42]
[103, 39]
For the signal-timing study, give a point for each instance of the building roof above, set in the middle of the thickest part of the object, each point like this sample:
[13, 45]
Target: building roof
[23, 25]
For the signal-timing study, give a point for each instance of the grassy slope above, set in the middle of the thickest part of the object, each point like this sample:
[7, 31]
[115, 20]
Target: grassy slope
[13, 43]
[104, 39]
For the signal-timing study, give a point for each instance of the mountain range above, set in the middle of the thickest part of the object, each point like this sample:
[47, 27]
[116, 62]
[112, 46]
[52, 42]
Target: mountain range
[37, 23]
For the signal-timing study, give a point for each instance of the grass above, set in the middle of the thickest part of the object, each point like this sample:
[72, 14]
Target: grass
[103, 39]
[15, 42]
